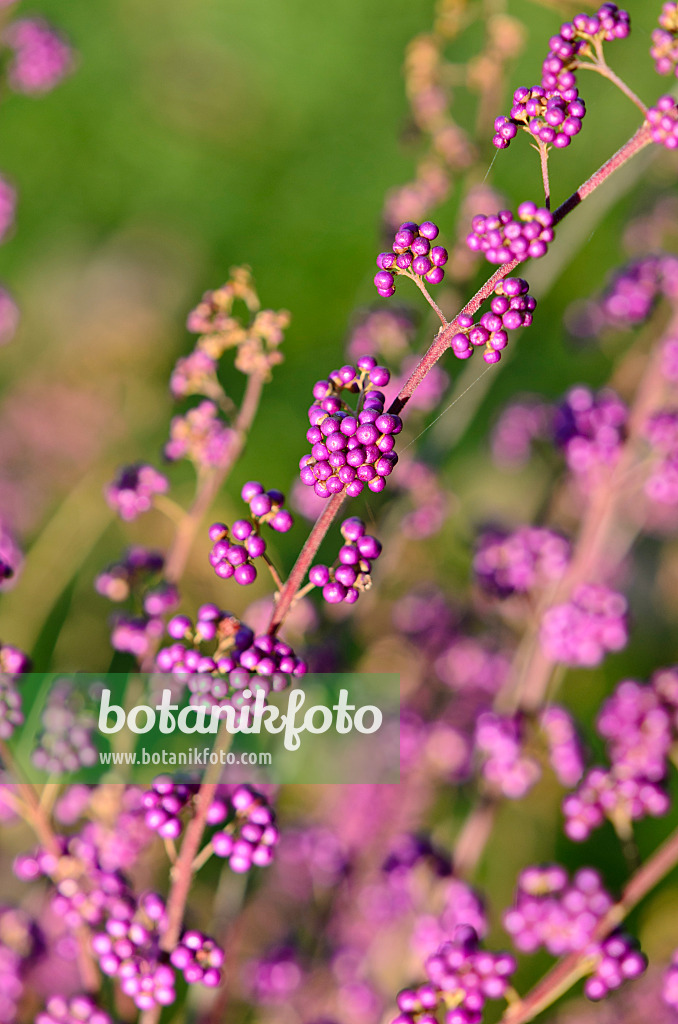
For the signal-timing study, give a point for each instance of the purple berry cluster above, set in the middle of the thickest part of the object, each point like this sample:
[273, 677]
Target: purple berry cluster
[562, 916]
[126, 577]
[132, 491]
[552, 118]
[351, 573]
[412, 255]
[201, 436]
[520, 562]
[553, 912]
[664, 49]
[41, 58]
[502, 237]
[632, 294]
[251, 836]
[582, 630]
[582, 37]
[663, 121]
[510, 308]
[618, 960]
[234, 551]
[590, 428]
[65, 743]
[350, 449]
[238, 656]
[128, 949]
[506, 767]
[638, 724]
[78, 1009]
[13, 661]
[564, 747]
[163, 804]
[199, 959]
[462, 976]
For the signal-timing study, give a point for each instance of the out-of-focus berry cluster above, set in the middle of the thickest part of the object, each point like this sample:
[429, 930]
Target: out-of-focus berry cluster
[664, 49]
[562, 915]
[638, 723]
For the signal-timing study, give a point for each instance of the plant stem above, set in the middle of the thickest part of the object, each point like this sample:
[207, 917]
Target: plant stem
[543, 150]
[303, 562]
[607, 72]
[572, 967]
[427, 295]
[210, 482]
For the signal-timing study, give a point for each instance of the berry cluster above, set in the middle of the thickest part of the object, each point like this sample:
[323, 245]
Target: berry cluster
[502, 238]
[519, 562]
[351, 572]
[553, 118]
[120, 580]
[638, 724]
[233, 551]
[564, 748]
[41, 58]
[77, 1009]
[12, 660]
[129, 949]
[582, 630]
[201, 436]
[64, 744]
[664, 49]
[551, 911]
[199, 959]
[462, 975]
[663, 120]
[163, 804]
[239, 658]
[412, 255]
[505, 766]
[251, 836]
[510, 308]
[590, 428]
[350, 449]
[618, 960]
[582, 37]
[562, 916]
[131, 493]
